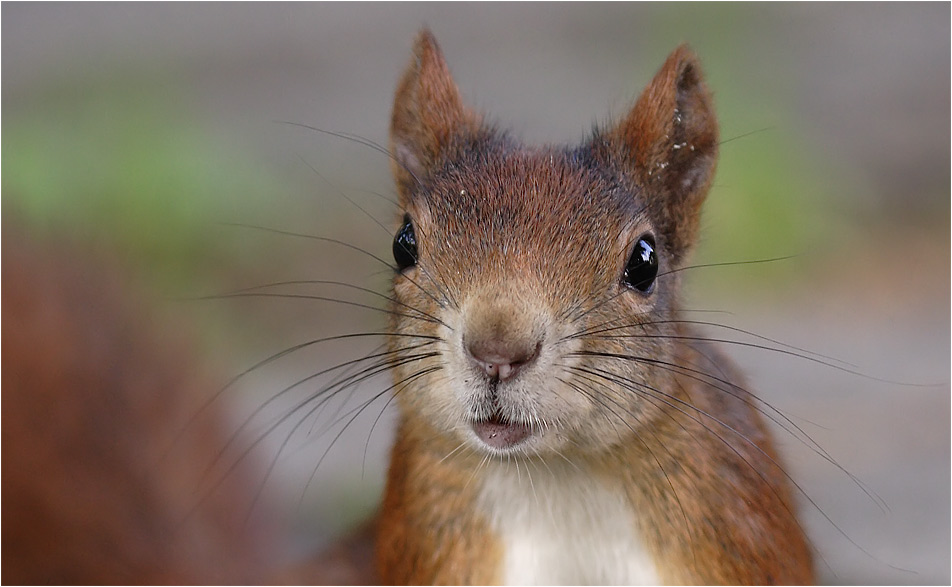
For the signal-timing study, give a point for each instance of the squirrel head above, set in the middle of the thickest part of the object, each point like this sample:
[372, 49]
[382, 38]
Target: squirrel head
[508, 254]
[664, 150]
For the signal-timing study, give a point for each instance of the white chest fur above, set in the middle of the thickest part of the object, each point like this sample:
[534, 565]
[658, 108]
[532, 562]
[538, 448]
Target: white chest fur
[564, 527]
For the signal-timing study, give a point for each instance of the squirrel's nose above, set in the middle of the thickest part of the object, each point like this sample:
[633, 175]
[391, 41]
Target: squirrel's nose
[502, 360]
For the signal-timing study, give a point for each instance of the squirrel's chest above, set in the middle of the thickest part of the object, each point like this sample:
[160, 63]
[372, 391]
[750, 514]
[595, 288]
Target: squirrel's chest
[564, 529]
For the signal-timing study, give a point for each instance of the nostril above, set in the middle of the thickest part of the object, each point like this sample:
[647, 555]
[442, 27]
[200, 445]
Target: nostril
[502, 360]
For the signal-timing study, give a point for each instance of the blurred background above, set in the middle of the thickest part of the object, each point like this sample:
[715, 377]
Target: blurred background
[158, 133]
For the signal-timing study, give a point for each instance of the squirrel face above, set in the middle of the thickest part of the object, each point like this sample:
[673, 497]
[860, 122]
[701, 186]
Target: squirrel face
[535, 297]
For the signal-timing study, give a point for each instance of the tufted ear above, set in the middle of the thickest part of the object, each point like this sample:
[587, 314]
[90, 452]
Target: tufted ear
[428, 112]
[669, 141]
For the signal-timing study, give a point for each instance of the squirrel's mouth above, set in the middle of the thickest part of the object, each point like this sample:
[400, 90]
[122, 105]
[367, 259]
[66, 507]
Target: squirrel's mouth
[501, 434]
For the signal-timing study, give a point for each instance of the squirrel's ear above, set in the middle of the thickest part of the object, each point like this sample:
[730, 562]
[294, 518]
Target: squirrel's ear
[427, 112]
[670, 144]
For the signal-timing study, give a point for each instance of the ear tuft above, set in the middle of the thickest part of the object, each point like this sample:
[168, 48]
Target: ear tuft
[428, 112]
[669, 143]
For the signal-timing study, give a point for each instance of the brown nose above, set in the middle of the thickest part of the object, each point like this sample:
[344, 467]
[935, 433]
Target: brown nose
[501, 359]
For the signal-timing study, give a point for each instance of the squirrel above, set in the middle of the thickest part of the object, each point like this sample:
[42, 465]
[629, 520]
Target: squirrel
[558, 420]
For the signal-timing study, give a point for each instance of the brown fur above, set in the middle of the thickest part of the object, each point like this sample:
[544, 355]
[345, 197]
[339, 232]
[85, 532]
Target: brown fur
[432, 542]
[544, 233]
[727, 517]
[105, 448]
[93, 397]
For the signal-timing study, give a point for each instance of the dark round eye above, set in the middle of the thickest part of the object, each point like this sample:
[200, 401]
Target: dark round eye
[404, 245]
[642, 267]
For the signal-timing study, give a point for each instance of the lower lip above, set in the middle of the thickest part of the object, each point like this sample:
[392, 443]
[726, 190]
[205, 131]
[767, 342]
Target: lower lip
[501, 435]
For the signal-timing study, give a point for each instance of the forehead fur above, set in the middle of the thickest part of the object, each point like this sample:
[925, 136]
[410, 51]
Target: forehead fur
[529, 210]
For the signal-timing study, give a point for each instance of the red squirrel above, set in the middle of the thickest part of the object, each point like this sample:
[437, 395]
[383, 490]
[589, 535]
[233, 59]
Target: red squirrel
[559, 422]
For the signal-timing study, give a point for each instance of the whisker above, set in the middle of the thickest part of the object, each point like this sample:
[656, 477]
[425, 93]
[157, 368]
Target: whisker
[357, 139]
[673, 402]
[320, 299]
[366, 290]
[598, 330]
[452, 452]
[323, 396]
[775, 415]
[747, 134]
[728, 264]
[341, 243]
[327, 395]
[598, 399]
[437, 283]
[353, 362]
[267, 360]
[359, 410]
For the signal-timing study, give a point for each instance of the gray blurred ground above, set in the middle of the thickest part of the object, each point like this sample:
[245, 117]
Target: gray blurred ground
[861, 91]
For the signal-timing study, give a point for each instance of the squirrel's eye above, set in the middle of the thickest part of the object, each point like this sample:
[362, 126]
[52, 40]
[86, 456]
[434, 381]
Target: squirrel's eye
[642, 267]
[404, 245]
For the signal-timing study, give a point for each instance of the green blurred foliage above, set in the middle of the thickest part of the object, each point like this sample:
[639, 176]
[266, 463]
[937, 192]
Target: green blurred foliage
[121, 158]
[767, 202]
[121, 164]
